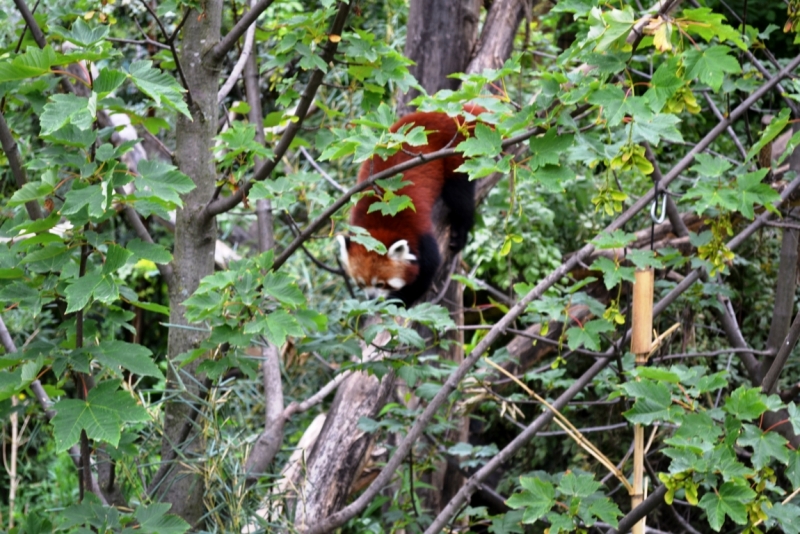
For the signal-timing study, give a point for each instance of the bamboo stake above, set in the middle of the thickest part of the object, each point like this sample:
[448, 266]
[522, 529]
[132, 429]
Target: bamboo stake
[641, 343]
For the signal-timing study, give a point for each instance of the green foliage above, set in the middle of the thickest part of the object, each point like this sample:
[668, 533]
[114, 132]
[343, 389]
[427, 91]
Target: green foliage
[586, 161]
[569, 505]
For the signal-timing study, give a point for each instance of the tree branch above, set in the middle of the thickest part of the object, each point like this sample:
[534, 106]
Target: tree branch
[652, 502]
[11, 150]
[36, 31]
[224, 204]
[785, 286]
[249, 39]
[227, 43]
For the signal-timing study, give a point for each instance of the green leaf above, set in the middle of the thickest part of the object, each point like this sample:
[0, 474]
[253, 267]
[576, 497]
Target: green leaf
[707, 24]
[537, 498]
[116, 257]
[162, 88]
[710, 65]
[34, 62]
[391, 204]
[108, 81]
[661, 126]
[578, 486]
[283, 288]
[95, 198]
[793, 472]
[615, 239]
[653, 401]
[135, 358]
[613, 273]
[549, 148]
[80, 291]
[163, 182]
[750, 191]
[664, 85]
[484, 142]
[101, 415]
[150, 306]
[13, 382]
[644, 259]
[588, 335]
[153, 519]
[773, 130]
[553, 177]
[508, 523]
[786, 516]
[610, 26]
[31, 191]
[63, 109]
[710, 166]
[149, 251]
[767, 446]
[280, 325]
[658, 374]
[81, 34]
[729, 501]
[746, 403]
[606, 510]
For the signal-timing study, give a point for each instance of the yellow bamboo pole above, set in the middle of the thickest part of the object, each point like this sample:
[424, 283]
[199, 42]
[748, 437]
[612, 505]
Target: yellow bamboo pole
[641, 342]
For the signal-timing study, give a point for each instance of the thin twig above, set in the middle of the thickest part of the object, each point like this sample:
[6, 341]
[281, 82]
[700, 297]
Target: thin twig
[227, 43]
[137, 42]
[247, 49]
[336, 185]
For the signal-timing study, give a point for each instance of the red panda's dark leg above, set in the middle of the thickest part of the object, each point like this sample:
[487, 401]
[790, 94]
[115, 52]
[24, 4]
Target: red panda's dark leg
[428, 260]
[458, 194]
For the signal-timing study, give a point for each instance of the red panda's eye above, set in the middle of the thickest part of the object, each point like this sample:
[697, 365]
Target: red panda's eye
[380, 285]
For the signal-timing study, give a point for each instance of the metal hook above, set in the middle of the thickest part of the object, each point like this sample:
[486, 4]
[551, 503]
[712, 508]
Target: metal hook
[658, 219]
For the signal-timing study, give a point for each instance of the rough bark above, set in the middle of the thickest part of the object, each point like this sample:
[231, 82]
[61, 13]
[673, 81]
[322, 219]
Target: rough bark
[440, 37]
[497, 35]
[786, 285]
[339, 454]
[195, 239]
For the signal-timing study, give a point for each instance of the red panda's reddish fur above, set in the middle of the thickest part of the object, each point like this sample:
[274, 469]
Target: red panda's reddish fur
[427, 184]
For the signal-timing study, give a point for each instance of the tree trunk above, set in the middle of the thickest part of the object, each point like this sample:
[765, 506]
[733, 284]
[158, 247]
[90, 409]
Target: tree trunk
[440, 37]
[193, 259]
[497, 36]
[340, 451]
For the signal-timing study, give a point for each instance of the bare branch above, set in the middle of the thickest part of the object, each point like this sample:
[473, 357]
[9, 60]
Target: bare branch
[36, 31]
[227, 43]
[336, 185]
[11, 150]
[729, 129]
[141, 42]
[652, 502]
[249, 39]
[785, 286]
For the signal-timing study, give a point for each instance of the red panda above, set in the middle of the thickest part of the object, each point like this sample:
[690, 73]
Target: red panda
[407, 270]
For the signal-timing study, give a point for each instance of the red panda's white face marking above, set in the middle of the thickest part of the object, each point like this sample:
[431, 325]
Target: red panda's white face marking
[377, 274]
